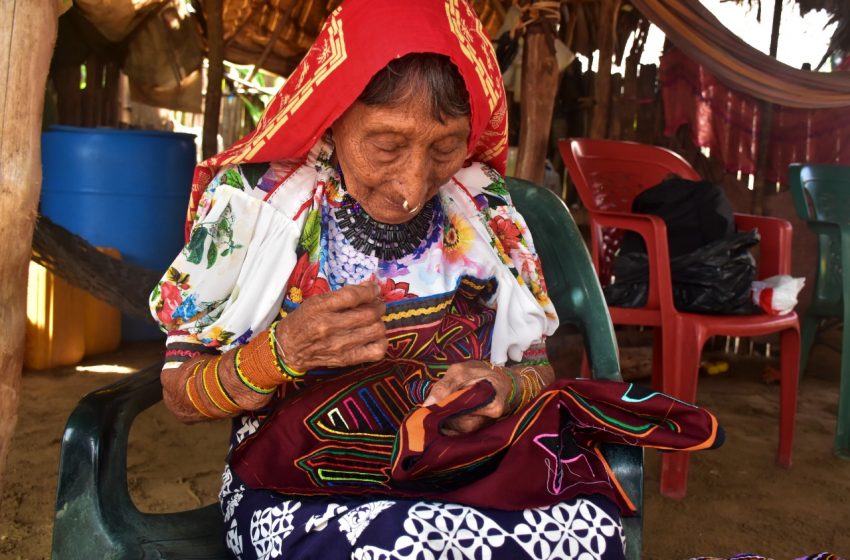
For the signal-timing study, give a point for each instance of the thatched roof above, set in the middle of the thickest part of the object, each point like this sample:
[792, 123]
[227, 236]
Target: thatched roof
[275, 34]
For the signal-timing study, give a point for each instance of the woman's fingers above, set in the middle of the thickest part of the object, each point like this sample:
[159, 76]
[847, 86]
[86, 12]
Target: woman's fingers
[465, 424]
[456, 377]
[439, 390]
[340, 328]
[362, 315]
[348, 297]
[371, 352]
[459, 376]
[347, 348]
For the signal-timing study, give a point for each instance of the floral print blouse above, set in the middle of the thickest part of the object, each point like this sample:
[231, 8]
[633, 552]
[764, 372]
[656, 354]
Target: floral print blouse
[265, 239]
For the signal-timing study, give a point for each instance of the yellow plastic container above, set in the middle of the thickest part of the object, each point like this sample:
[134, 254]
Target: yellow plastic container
[102, 321]
[55, 336]
[64, 323]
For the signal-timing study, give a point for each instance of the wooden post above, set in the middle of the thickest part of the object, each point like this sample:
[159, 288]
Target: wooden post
[608, 11]
[629, 103]
[765, 126]
[215, 74]
[539, 88]
[28, 29]
[648, 117]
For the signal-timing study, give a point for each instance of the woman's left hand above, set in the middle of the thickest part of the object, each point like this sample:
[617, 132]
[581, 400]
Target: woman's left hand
[462, 375]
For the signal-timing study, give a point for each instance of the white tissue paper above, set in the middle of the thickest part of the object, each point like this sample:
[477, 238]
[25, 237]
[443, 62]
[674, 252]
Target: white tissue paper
[777, 295]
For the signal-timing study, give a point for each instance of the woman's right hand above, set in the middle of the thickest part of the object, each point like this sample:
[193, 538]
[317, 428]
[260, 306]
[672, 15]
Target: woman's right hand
[341, 328]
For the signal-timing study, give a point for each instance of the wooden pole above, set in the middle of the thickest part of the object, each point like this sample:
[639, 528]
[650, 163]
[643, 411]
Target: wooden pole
[765, 126]
[215, 74]
[28, 33]
[608, 11]
[539, 88]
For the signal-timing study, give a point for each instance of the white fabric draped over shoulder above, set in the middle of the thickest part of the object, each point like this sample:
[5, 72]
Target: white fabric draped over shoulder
[522, 317]
[228, 282]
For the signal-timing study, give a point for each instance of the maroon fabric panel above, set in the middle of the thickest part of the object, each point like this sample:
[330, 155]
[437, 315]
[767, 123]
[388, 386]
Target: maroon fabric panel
[545, 453]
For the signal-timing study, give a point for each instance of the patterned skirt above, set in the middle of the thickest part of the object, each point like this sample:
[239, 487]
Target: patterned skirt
[265, 525]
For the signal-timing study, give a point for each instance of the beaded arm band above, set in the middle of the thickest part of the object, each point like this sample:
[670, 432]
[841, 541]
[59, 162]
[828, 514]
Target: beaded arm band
[526, 383]
[260, 366]
[279, 357]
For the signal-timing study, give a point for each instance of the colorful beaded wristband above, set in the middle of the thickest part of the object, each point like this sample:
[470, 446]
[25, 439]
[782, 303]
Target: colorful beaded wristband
[191, 392]
[514, 389]
[215, 391]
[279, 356]
[248, 382]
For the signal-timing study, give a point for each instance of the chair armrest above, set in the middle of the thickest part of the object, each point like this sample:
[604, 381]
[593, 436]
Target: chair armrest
[653, 230]
[775, 243]
[95, 516]
[627, 463]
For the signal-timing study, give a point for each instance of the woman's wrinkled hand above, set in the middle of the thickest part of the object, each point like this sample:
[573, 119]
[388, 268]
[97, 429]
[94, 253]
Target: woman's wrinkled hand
[341, 328]
[462, 375]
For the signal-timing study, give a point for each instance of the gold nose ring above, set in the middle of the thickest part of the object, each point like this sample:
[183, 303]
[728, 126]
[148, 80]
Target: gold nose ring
[406, 206]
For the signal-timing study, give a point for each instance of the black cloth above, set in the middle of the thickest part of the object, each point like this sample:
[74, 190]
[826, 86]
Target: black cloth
[696, 213]
[710, 263]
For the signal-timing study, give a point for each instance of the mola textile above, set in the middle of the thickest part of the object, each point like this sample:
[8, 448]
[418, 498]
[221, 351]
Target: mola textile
[551, 444]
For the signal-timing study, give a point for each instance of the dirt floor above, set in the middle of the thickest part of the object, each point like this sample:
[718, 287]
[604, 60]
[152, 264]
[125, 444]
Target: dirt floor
[738, 499]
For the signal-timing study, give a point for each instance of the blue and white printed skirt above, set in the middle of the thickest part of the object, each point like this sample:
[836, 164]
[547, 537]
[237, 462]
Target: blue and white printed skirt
[265, 525]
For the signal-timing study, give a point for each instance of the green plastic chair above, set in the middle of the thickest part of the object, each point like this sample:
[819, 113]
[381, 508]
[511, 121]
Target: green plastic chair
[822, 198]
[95, 517]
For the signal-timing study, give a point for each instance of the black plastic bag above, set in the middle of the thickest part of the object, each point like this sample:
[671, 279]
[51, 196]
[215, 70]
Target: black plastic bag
[714, 279]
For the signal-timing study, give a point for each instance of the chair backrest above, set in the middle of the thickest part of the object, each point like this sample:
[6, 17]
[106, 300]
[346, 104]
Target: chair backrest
[609, 174]
[821, 196]
[577, 296]
[570, 278]
[821, 192]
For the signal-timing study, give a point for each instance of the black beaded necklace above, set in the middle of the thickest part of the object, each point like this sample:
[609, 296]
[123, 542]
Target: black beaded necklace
[388, 242]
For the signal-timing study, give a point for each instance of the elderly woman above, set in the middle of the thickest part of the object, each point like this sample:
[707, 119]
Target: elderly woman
[359, 295]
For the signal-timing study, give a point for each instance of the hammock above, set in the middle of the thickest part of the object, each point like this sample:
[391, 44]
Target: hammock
[695, 30]
[120, 284]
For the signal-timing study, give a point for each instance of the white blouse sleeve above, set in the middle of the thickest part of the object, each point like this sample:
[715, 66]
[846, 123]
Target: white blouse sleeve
[228, 282]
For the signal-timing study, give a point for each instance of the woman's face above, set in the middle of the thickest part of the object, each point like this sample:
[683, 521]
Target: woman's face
[390, 155]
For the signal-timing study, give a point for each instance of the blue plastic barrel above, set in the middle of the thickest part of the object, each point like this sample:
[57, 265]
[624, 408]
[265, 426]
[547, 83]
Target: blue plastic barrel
[126, 189]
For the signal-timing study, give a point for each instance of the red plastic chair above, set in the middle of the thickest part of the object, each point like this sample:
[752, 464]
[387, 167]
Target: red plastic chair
[608, 175]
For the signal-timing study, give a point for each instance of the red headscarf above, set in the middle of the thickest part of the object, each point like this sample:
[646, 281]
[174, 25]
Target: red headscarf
[358, 40]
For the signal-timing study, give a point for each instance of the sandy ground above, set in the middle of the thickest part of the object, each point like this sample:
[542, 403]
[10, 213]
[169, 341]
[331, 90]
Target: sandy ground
[738, 499]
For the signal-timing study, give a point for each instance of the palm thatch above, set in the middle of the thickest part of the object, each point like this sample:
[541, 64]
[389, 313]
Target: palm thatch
[275, 34]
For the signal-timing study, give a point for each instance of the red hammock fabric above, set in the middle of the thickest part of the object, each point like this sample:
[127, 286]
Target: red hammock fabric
[727, 121]
[359, 39]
